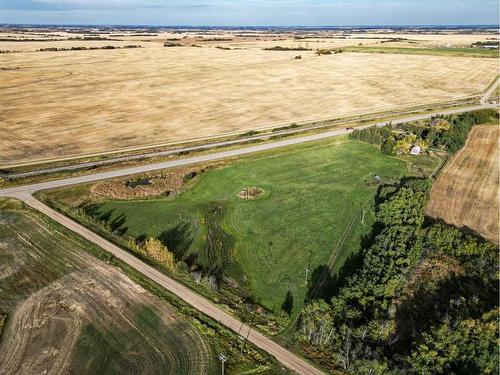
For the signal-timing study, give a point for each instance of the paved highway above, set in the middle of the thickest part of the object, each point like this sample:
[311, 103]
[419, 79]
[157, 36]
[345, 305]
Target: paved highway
[207, 146]
[284, 356]
[23, 192]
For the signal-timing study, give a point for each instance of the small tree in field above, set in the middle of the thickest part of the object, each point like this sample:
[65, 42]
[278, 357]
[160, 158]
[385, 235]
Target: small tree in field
[403, 145]
[156, 250]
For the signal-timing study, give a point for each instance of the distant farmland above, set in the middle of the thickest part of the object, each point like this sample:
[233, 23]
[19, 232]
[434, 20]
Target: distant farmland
[56, 104]
[466, 192]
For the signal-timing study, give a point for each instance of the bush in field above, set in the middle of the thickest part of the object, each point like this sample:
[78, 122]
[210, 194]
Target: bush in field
[320, 52]
[171, 44]
[279, 48]
[159, 252]
[403, 146]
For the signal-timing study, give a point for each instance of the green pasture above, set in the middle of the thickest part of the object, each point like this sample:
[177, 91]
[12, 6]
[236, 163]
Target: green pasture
[308, 217]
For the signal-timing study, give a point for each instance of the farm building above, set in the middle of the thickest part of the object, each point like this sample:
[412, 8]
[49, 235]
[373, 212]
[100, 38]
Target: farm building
[415, 150]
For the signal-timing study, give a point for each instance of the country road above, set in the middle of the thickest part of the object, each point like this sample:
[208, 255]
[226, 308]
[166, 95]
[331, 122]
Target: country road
[486, 96]
[25, 193]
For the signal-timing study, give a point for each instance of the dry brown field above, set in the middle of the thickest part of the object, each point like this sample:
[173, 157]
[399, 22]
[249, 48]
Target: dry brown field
[466, 194]
[69, 313]
[69, 103]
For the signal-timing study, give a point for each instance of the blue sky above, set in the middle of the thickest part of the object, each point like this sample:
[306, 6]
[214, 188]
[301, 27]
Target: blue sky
[251, 12]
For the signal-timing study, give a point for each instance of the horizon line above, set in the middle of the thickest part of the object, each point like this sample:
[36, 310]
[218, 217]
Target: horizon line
[235, 25]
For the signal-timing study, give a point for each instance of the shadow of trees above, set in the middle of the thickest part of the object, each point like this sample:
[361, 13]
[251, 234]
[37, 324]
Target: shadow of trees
[433, 302]
[178, 239]
[324, 285]
[115, 225]
[287, 305]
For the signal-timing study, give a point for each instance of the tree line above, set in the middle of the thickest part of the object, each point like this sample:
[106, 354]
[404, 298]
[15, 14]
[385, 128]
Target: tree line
[448, 132]
[423, 301]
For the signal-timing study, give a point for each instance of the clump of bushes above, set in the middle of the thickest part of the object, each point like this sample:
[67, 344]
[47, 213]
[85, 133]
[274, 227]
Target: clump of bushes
[279, 48]
[447, 132]
[155, 249]
[320, 52]
[81, 48]
[172, 44]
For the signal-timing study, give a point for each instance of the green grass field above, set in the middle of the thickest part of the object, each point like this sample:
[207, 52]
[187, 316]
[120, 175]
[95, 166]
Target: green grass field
[457, 52]
[308, 217]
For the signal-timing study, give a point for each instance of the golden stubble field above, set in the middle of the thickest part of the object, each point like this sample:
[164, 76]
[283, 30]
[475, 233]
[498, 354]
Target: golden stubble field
[59, 104]
[70, 313]
[466, 193]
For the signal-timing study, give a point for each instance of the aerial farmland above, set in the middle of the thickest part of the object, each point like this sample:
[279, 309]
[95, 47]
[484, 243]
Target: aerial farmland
[248, 200]
[131, 97]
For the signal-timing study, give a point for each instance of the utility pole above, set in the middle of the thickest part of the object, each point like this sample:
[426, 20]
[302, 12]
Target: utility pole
[248, 333]
[242, 340]
[308, 265]
[223, 359]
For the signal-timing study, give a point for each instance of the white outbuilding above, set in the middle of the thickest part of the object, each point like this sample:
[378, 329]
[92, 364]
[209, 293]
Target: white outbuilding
[415, 150]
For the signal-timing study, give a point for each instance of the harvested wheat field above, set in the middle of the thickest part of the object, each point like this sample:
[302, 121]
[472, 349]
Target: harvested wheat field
[69, 313]
[65, 103]
[466, 192]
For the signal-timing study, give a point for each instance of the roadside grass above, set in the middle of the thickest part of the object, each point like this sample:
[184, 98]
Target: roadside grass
[496, 94]
[456, 52]
[37, 253]
[311, 194]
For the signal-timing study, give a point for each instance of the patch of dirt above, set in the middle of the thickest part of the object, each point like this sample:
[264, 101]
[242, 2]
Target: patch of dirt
[466, 193]
[431, 271]
[250, 193]
[165, 183]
